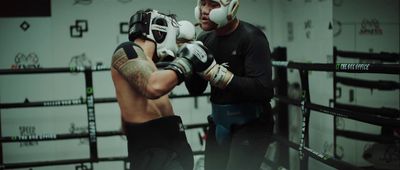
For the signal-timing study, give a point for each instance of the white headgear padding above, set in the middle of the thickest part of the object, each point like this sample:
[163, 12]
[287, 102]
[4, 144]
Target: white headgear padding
[187, 31]
[222, 15]
[160, 28]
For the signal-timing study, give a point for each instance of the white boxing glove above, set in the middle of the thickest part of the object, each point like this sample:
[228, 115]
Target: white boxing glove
[187, 31]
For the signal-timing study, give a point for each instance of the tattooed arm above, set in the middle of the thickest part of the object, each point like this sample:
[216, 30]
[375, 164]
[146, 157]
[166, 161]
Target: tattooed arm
[141, 73]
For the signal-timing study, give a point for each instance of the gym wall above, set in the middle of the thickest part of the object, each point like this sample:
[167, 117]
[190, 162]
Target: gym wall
[86, 32]
[81, 33]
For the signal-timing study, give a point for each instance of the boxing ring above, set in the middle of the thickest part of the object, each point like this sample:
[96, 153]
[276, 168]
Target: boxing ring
[389, 119]
[281, 112]
[89, 101]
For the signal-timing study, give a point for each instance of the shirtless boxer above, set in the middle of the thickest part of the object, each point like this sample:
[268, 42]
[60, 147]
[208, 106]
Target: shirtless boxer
[156, 137]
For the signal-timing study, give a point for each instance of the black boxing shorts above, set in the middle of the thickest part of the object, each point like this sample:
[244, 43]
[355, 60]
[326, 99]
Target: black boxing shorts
[158, 144]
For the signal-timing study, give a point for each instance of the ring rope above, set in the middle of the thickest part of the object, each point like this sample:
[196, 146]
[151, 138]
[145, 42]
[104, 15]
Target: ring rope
[382, 56]
[380, 84]
[372, 119]
[73, 102]
[326, 159]
[367, 137]
[49, 137]
[341, 67]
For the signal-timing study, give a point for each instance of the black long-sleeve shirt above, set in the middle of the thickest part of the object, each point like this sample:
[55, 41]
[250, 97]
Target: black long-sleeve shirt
[245, 52]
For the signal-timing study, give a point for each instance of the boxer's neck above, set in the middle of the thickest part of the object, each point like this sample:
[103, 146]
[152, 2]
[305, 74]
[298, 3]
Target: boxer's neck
[147, 46]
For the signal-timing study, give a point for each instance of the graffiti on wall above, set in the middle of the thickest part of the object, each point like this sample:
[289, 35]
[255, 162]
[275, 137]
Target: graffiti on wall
[307, 28]
[24, 25]
[123, 28]
[80, 61]
[73, 129]
[27, 131]
[80, 27]
[23, 61]
[82, 2]
[370, 27]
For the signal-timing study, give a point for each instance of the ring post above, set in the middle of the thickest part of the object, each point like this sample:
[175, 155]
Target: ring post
[91, 114]
[305, 121]
[282, 114]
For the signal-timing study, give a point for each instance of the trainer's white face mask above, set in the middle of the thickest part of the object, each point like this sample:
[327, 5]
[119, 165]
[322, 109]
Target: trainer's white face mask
[222, 15]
